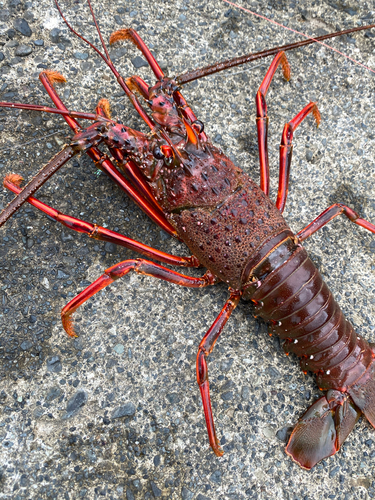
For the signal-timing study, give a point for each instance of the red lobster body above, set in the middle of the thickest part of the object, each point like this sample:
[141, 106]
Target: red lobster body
[241, 237]
[193, 191]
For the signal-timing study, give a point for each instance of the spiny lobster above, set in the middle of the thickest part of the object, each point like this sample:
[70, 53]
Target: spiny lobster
[196, 194]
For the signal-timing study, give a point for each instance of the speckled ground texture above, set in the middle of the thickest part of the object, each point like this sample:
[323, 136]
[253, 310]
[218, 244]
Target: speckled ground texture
[116, 413]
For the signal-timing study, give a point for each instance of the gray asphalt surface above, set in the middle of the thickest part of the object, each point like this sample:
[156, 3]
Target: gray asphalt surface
[116, 413]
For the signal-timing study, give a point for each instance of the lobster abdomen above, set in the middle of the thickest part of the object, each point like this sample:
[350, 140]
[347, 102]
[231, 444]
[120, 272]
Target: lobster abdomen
[290, 293]
[302, 310]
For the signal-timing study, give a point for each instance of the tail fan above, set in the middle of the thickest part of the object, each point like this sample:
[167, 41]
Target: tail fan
[363, 393]
[322, 429]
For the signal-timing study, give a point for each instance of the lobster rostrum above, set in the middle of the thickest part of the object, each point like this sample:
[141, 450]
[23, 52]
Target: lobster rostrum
[195, 193]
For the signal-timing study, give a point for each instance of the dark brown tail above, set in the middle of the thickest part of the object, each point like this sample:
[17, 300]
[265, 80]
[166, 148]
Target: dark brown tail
[363, 392]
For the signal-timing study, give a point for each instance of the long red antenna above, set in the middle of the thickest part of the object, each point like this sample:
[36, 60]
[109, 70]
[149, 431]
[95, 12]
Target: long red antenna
[237, 61]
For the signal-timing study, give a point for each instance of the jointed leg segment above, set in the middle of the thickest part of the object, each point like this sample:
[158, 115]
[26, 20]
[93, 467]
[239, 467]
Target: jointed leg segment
[329, 214]
[100, 233]
[286, 149]
[205, 348]
[262, 117]
[117, 271]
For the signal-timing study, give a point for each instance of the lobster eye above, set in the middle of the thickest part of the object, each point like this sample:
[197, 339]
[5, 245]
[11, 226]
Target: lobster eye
[198, 126]
[158, 153]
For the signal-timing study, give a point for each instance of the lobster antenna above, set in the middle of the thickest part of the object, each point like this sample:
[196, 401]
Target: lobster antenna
[109, 63]
[106, 60]
[237, 61]
[98, 30]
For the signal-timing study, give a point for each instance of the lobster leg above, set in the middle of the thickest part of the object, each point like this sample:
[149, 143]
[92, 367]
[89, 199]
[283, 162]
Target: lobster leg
[117, 271]
[329, 214]
[262, 118]
[135, 83]
[205, 348]
[286, 149]
[105, 164]
[98, 232]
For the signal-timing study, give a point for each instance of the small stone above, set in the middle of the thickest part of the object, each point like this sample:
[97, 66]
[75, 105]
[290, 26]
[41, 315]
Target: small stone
[173, 397]
[11, 33]
[216, 477]
[55, 35]
[226, 364]
[24, 481]
[77, 401]
[29, 242]
[137, 484]
[138, 62]
[54, 364]
[129, 494]
[61, 274]
[155, 490]
[157, 460]
[186, 494]
[45, 283]
[1, 56]
[110, 247]
[53, 393]
[309, 155]
[22, 27]
[267, 408]
[273, 372]
[81, 56]
[245, 393]
[127, 410]
[26, 345]
[334, 471]
[283, 434]
[39, 43]
[86, 66]
[227, 396]
[118, 53]
[119, 348]
[4, 14]
[38, 412]
[23, 50]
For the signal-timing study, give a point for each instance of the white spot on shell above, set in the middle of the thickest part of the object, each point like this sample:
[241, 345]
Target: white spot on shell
[328, 372]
